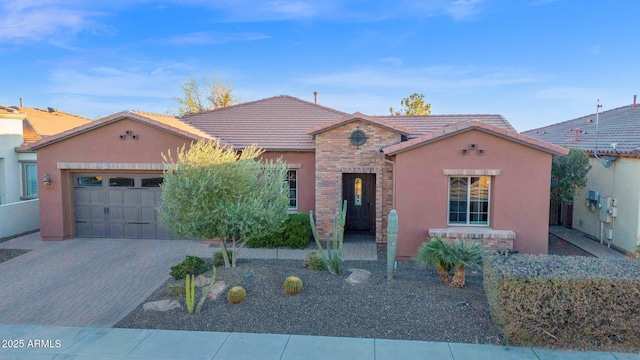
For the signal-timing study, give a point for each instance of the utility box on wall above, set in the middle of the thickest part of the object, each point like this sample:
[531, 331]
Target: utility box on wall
[609, 209]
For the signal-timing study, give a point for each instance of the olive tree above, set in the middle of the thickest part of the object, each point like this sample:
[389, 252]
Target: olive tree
[215, 192]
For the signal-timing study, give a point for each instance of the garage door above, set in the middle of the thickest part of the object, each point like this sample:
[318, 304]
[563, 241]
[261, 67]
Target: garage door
[118, 206]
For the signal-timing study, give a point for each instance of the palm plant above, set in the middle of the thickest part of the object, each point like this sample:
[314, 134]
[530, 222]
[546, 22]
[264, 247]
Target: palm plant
[464, 254]
[436, 252]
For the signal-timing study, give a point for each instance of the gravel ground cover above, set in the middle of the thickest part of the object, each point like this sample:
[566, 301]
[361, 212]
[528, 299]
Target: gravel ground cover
[8, 254]
[416, 305]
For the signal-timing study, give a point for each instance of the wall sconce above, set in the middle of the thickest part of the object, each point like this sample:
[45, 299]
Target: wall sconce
[46, 181]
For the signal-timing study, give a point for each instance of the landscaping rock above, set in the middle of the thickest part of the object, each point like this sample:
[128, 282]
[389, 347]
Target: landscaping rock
[218, 288]
[161, 305]
[358, 276]
[202, 281]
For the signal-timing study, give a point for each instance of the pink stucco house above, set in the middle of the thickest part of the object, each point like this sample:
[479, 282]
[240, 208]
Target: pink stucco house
[469, 176]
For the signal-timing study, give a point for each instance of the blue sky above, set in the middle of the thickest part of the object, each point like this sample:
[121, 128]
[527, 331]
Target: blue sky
[536, 62]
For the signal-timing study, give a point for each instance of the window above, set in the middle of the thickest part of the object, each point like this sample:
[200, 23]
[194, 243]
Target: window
[469, 200]
[292, 185]
[152, 182]
[357, 190]
[89, 180]
[120, 181]
[29, 180]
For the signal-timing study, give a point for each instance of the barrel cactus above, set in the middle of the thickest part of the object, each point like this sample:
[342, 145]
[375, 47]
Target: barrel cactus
[292, 285]
[236, 295]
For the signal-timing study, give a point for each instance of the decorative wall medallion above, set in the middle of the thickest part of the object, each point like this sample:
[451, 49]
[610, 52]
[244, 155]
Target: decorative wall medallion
[358, 137]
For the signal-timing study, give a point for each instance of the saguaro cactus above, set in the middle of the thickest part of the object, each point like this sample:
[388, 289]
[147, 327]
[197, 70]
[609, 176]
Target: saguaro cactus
[392, 242]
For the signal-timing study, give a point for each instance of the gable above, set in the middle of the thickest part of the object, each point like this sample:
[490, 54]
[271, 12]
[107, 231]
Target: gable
[463, 127]
[346, 119]
[124, 141]
[165, 123]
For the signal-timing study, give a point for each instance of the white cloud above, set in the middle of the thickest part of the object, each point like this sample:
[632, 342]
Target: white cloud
[208, 38]
[35, 20]
[392, 60]
[435, 78]
[463, 9]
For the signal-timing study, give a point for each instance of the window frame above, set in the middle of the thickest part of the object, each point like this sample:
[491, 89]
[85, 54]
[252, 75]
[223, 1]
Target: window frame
[25, 181]
[289, 188]
[469, 200]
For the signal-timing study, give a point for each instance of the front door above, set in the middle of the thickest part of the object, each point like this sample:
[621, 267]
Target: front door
[360, 192]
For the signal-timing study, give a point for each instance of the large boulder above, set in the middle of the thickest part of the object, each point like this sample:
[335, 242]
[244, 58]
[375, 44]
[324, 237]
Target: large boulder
[218, 288]
[357, 276]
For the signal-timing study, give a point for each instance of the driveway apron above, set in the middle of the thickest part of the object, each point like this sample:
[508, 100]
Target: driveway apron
[85, 282]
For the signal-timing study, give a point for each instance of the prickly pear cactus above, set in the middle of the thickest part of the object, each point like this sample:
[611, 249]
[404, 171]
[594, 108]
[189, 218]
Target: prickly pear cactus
[292, 285]
[392, 242]
[236, 295]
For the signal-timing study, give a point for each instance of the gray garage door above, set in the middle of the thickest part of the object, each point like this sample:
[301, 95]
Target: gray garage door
[118, 206]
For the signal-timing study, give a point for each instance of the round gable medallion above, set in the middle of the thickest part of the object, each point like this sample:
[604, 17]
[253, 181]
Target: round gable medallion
[358, 137]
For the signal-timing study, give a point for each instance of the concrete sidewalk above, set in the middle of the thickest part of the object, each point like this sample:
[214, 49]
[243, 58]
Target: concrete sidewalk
[579, 239]
[52, 342]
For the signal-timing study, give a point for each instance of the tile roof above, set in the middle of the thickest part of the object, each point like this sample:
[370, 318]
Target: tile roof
[620, 126]
[425, 124]
[358, 116]
[460, 127]
[288, 123]
[41, 123]
[165, 122]
[275, 123]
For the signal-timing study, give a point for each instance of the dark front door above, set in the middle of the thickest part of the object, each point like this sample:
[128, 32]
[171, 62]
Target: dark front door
[360, 192]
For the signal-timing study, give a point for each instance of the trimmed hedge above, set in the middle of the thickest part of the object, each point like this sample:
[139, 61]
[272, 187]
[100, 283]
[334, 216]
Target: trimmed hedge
[565, 302]
[294, 233]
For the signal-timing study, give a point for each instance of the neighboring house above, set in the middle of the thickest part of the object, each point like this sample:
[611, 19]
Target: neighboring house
[608, 208]
[469, 176]
[18, 169]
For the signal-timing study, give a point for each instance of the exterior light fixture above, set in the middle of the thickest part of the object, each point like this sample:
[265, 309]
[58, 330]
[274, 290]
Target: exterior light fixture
[46, 181]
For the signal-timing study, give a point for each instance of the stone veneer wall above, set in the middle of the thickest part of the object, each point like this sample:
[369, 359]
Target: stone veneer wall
[491, 240]
[336, 155]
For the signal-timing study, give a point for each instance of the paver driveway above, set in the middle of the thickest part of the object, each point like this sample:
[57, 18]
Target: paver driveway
[85, 282]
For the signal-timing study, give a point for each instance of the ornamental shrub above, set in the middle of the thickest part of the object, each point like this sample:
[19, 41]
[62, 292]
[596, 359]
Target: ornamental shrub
[297, 231]
[294, 233]
[190, 265]
[567, 302]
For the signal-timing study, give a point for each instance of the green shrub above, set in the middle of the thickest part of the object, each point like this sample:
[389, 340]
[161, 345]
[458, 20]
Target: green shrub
[314, 262]
[190, 265]
[177, 289]
[270, 241]
[297, 231]
[569, 302]
[294, 233]
[218, 259]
